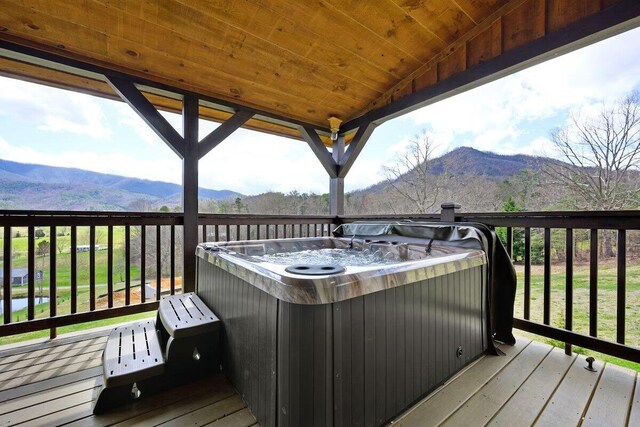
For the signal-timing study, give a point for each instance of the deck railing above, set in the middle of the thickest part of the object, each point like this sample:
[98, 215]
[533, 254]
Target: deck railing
[98, 265]
[216, 227]
[150, 250]
[65, 254]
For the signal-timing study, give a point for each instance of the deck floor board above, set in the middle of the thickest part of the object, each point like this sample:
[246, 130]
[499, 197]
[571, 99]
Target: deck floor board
[531, 383]
[440, 405]
[56, 384]
[612, 399]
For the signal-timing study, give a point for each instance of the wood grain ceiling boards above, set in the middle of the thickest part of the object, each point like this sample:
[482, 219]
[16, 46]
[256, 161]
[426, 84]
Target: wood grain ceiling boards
[302, 59]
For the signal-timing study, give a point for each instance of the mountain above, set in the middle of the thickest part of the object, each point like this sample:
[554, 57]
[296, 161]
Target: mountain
[32, 186]
[469, 161]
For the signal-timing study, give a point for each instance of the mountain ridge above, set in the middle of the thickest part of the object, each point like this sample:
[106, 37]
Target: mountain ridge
[80, 189]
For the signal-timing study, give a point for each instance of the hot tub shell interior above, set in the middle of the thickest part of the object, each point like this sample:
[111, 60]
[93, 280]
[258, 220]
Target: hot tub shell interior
[355, 348]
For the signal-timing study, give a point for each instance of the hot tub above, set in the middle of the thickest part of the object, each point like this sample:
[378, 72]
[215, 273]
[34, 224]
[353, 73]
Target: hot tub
[353, 347]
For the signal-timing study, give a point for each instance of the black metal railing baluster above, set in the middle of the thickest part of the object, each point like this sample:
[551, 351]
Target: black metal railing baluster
[143, 263]
[127, 264]
[158, 262]
[53, 296]
[568, 320]
[593, 284]
[172, 261]
[546, 313]
[31, 268]
[527, 273]
[6, 282]
[92, 268]
[110, 266]
[510, 242]
[622, 285]
[74, 269]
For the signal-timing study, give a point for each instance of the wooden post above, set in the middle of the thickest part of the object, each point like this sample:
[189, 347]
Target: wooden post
[190, 191]
[336, 185]
[448, 212]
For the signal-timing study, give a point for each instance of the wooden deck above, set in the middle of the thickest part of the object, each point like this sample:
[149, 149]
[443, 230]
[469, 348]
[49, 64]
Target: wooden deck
[535, 384]
[53, 383]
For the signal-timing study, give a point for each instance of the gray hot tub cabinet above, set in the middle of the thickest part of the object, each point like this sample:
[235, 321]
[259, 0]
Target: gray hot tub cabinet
[356, 361]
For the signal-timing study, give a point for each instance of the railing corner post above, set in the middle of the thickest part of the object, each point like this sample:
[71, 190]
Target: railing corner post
[448, 212]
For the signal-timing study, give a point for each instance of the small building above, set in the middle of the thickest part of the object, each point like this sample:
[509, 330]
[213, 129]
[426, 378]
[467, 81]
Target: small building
[85, 248]
[20, 276]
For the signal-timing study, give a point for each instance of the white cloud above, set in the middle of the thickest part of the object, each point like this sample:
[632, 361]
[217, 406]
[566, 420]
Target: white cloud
[492, 116]
[130, 118]
[51, 109]
[250, 162]
[168, 170]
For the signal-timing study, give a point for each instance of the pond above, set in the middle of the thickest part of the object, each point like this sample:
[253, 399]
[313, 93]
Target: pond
[22, 302]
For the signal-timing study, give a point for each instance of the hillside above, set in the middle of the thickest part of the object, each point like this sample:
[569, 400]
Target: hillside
[467, 160]
[473, 178]
[31, 186]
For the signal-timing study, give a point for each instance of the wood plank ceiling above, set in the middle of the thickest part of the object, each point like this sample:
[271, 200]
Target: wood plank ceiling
[305, 60]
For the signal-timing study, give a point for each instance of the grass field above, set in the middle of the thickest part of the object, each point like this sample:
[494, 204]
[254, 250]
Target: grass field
[63, 276]
[607, 285]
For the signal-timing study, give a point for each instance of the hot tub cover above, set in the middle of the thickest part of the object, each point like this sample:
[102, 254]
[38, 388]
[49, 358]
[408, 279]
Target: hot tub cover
[502, 276]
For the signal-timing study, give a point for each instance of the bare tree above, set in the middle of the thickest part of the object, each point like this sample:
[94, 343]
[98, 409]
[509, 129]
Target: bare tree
[42, 250]
[411, 175]
[601, 156]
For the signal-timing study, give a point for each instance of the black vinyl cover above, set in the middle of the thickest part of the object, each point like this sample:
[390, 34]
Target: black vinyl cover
[502, 279]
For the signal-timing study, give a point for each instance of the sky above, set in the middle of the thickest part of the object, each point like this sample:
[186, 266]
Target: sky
[512, 115]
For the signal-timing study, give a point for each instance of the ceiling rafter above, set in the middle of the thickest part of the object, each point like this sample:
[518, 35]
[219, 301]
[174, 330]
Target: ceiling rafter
[218, 135]
[310, 135]
[151, 116]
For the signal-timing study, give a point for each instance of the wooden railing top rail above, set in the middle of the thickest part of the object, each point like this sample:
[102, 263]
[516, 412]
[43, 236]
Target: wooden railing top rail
[621, 220]
[70, 218]
[250, 219]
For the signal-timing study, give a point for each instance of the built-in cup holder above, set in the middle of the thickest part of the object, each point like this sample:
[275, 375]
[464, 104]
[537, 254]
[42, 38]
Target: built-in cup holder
[314, 270]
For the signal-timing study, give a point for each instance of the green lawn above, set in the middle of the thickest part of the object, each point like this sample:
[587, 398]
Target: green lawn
[607, 285]
[63, 277]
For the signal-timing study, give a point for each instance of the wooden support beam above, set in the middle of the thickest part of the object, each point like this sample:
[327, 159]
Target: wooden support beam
[132, 96]
[190, 191]
[311, 136]
[356, 146]
[336, 185]
[223, 131]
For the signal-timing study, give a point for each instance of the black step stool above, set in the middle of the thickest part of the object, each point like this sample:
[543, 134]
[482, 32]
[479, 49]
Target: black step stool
[190, 335]
[131, 359]
[144, 358]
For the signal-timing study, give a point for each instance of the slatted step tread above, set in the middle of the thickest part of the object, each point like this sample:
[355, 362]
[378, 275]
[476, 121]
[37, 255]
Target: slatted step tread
[186, 315]
[132, 353]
